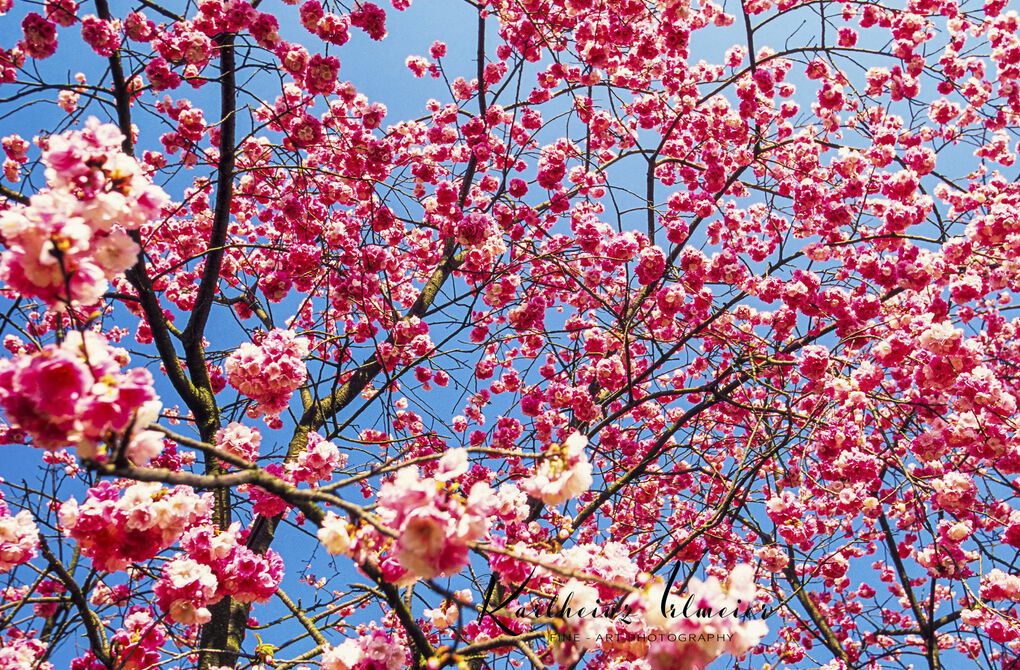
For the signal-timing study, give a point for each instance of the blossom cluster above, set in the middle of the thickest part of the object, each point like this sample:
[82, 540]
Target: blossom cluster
[316, 462]
[116, 527]
[335, 534]
[215, 564]
[77, 393]
[16, 151]
[434, 520]
[72, 238]
[138, 641]
[19, 651]
[563, 473]
[239, 440]
[270, 371]
[375, 650]
[19, 538]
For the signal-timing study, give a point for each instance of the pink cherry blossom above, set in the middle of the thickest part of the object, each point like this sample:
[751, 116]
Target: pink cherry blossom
[240, 440]
[435, 523]
[71, 239]
[22, 652]
[19, 538]
[118, 527]
[77, 393]
[269, 372]
[563, 473]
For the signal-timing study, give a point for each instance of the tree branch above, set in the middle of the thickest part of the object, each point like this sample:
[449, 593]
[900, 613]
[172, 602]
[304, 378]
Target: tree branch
[13, 195]
[93, 626]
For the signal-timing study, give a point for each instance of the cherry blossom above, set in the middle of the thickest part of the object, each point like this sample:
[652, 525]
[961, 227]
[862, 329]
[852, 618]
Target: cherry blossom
[78, 394]
[71, 239]
[116, 527]
[435, 522]
[564, 472]
[19, 538]
[269, 372]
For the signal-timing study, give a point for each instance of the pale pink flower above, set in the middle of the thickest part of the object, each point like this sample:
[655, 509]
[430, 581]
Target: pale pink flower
[334, 535]
[71, 240]
[444, 616]
[240, 440]
[317, 462]
[183, 590]
[19, 538]
[436, 525]
[344, 657]
[116, 528]
[425, 547]
[563, 473]
[22, 652]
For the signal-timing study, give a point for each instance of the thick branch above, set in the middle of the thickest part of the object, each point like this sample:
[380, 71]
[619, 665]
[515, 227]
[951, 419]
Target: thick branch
[300, 498]
[927, 632]
[13, 195]
[221, 217]
[120, 89]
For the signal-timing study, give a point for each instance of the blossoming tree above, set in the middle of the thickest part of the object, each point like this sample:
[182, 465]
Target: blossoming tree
[669, 332]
